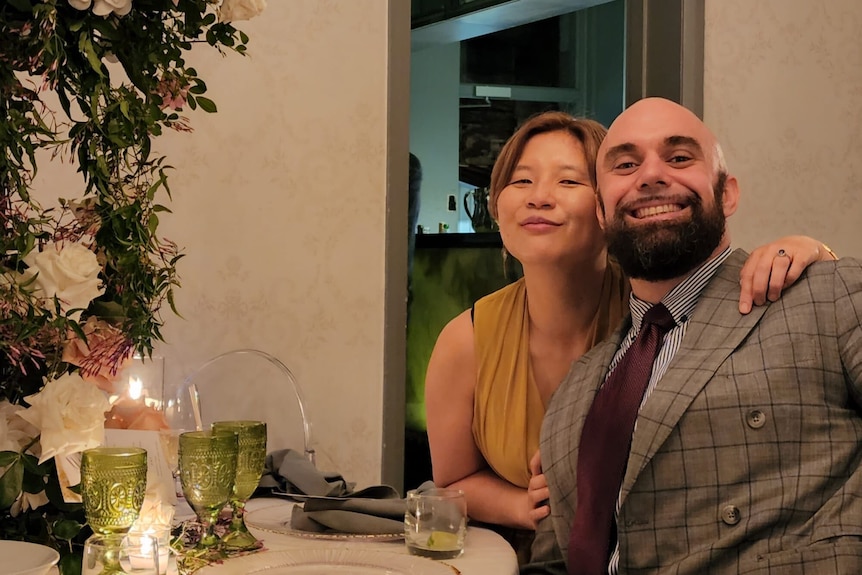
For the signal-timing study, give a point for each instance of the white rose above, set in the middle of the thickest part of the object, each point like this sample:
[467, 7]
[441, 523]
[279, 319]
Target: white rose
[70, 414]
[104, 7]
[232, 10]
[27, 501]
[70, 272]
[15, 432]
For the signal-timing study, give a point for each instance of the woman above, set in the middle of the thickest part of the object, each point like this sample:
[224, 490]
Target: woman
[494, 367]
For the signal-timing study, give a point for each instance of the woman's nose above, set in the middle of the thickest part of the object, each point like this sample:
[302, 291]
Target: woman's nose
[541, 195]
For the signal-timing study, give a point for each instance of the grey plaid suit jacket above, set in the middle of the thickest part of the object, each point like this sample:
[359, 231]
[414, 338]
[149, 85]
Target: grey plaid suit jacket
[747, 456]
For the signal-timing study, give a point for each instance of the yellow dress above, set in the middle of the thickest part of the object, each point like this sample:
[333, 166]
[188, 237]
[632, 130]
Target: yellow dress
[507, 408]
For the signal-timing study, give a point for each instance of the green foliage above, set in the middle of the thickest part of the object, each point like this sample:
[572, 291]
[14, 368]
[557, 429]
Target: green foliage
[120, 81]
[94, 91]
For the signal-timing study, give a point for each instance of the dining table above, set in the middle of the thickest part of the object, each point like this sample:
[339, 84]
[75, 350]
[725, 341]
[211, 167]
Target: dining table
[485, 551]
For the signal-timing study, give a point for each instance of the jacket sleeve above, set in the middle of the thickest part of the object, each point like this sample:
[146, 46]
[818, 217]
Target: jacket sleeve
[848, 311]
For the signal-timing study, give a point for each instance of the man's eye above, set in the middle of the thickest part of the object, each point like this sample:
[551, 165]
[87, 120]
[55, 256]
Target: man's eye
[679, 158]
[624, 166]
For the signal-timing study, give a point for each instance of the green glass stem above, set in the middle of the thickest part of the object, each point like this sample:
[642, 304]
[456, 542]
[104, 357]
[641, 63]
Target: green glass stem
[239, 537]
[110, 558]
[208, 537]
[111, 564]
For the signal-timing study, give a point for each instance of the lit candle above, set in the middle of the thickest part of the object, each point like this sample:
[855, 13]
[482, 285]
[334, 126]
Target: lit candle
[136, 387]
[143, 549]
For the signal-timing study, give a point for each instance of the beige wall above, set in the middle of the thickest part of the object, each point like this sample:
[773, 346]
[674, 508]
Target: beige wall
[280, 201]
[783, 92]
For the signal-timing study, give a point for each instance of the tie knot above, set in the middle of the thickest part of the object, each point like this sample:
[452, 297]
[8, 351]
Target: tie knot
[659, 316]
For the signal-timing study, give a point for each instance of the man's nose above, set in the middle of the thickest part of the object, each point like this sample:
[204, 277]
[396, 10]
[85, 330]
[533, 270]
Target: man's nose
[652, 173]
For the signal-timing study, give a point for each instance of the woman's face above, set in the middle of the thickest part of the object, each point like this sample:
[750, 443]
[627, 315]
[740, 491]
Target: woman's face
[547, 211]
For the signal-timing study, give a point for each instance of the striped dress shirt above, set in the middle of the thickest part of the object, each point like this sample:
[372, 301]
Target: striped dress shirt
[680, 302]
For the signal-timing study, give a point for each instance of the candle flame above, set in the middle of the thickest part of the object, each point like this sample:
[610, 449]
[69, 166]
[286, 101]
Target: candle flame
[136, 386]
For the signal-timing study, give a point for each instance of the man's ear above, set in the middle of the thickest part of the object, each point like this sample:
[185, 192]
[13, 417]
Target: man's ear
[600, 210]
[730, 199]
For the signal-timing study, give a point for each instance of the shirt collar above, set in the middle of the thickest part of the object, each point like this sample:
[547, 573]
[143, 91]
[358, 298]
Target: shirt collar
[681, 300]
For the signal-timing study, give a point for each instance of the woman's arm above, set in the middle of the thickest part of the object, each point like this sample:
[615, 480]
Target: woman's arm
[450, 384]
[777, 265]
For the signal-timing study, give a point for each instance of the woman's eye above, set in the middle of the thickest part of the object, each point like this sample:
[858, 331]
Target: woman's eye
[522, 181]
[571, 183]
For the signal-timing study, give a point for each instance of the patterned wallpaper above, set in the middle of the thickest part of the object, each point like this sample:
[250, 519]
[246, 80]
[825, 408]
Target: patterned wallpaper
[783, 92]
[280, 204]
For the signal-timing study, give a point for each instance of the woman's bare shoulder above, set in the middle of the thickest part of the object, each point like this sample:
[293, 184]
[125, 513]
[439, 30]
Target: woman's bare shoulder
[453, 359]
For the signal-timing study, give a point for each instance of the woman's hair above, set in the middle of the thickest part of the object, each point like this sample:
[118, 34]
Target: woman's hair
[589, 132]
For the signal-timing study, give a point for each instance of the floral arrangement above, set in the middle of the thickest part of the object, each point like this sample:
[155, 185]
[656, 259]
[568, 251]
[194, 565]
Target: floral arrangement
[84, 282]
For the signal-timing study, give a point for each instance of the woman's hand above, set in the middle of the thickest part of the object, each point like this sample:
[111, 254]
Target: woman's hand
[775, 266]
[537, 492]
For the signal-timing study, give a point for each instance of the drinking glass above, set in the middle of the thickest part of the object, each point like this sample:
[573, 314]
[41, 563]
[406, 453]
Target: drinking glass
[113, 484]
[250, 460]
[181, 409]
[435, 523]
[207, 473]
[132, 556]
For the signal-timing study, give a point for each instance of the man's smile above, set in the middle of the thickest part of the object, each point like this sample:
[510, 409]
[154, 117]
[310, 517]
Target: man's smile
[649, 211]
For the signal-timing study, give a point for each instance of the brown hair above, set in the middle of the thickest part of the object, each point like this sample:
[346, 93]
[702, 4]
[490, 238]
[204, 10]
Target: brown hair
[589, 132]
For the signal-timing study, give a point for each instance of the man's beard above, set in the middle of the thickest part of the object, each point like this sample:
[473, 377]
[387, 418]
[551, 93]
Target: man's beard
[665, 250]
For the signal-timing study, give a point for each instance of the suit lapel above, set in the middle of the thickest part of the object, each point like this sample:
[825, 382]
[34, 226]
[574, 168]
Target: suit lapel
[576, 396]
[715, 329]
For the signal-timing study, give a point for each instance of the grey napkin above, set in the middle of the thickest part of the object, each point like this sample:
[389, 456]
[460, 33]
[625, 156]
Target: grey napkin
[288, 471]
[360, 515]
[329, 504]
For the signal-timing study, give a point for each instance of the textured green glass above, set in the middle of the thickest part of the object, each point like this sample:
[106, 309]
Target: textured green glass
[249, 467]
[207, 472]
[113, 484]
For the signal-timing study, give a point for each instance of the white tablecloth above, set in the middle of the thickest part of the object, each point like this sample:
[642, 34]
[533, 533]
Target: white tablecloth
[485, 552]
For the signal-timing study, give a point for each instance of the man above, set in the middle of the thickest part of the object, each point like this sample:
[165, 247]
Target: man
[744, 448]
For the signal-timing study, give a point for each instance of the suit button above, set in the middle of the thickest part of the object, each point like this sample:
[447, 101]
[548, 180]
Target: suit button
[756, 419]
[730, 514]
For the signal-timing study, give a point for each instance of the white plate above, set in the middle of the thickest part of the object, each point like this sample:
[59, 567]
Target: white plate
[329, 561]
[20, 558]
[276, 519]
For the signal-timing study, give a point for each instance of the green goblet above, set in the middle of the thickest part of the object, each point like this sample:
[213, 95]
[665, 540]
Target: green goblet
[113, 484]
[250, 460]
[207, 472]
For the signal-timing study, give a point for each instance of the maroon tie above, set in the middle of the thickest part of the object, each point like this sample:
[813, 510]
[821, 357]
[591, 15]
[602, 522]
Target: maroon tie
[604, 448]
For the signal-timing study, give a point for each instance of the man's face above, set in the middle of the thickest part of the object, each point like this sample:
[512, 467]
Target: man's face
[663, 201]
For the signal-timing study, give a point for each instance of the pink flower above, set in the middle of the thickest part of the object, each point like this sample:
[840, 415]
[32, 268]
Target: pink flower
[130, 414]
[102, 356]
[173, 91]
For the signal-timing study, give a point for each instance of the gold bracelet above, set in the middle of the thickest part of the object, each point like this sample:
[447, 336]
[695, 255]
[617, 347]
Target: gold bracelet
[829, 251]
